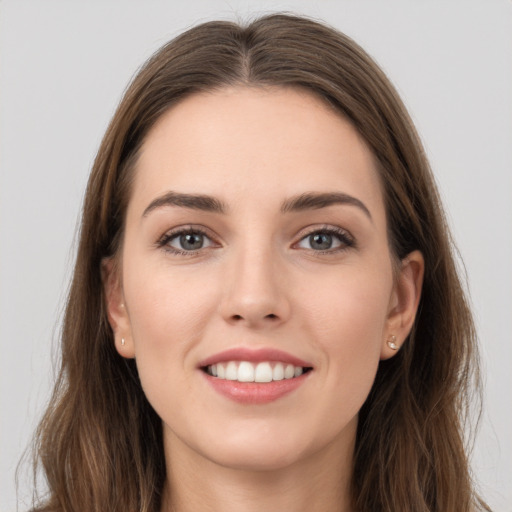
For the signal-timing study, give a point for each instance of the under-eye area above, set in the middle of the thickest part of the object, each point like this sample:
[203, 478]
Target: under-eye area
[245, 371]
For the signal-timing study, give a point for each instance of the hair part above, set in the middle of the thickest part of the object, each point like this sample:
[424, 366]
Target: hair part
[100, 442]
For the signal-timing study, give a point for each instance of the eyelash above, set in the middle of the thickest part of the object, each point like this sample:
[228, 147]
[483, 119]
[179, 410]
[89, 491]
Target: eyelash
[346, 240]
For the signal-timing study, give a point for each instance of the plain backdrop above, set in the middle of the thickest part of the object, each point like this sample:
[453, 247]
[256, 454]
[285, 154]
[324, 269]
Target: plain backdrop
[63, 67]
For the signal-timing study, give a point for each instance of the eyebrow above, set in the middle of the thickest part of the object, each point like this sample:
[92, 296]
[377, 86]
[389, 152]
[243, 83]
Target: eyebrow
[193, 201]
[316, 200]
[306, 201]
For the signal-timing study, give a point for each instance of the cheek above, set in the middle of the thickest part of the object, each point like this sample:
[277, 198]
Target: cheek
[168, 313]
[350, 308]
[347, 324]
[161, 297]
[347, 319]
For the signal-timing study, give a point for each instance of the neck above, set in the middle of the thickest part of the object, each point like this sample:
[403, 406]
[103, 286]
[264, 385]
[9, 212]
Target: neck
[317, 483]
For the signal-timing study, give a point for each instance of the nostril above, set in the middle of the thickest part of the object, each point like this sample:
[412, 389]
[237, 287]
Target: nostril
[270, 316]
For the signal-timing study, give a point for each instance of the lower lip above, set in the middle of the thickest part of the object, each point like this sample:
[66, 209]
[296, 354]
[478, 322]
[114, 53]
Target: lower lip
[255, 392]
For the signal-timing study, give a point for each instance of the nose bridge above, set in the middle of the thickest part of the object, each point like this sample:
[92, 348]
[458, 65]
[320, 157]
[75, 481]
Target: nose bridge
[255, 293]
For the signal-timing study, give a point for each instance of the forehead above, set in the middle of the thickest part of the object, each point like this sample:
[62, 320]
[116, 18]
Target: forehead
[255, 142]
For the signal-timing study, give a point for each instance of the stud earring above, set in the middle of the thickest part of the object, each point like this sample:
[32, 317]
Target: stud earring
[122, 342]
[391, 342]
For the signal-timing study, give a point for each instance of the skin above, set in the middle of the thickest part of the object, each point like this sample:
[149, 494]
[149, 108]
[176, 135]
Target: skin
[258, 282]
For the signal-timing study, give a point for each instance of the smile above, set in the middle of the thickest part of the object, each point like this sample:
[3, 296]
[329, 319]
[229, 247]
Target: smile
[255, 375]
[261, 372]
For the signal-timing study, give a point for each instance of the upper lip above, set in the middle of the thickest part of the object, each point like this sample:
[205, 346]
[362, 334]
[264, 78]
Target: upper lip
[254, 356]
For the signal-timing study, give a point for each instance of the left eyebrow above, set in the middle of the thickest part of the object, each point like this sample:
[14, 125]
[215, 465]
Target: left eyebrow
[193, 201]
[317, 200]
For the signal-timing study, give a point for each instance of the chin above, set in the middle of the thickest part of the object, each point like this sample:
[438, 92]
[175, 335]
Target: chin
[255, 458]
[267, 448]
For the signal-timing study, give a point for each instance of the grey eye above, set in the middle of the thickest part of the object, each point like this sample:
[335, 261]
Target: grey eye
[320, 241]
[192, 241]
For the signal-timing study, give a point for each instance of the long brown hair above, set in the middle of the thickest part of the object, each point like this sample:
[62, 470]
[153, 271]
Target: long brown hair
[100, 442]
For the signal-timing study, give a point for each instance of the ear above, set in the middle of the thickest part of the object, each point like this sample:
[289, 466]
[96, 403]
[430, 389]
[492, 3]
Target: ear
[117, 312]
[404, 303]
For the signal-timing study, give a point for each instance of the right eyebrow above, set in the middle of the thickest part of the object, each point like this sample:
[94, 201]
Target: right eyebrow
[193, 201]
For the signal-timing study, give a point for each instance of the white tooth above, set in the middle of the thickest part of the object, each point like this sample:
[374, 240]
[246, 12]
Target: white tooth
[278, 372]
[221, 371]
[213, 369]
[245, 372]
[231, 371]
[298, 371]
[263, 373]
[289, 371]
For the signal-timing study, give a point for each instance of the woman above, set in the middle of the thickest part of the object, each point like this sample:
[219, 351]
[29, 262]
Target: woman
[265, 311]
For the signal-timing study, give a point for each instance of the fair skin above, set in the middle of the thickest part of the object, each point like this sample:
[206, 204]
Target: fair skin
[253, 268]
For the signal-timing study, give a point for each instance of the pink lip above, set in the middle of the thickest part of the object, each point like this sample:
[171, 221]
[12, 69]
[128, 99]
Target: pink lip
[254, 356]
[255, 392]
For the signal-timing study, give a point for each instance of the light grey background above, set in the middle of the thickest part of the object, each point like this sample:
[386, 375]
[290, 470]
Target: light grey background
[63, 67]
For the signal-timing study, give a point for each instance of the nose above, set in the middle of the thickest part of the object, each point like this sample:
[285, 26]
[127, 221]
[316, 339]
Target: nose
[255, 290]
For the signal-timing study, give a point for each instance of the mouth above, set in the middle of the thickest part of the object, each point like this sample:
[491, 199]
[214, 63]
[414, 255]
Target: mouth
[260, 372]
[255, 376]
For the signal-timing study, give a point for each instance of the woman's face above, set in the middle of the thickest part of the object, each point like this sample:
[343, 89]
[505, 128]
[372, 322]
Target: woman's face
[256, 249]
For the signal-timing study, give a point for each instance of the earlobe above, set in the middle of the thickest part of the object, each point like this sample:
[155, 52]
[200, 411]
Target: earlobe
[116, 310]
[404, 303]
